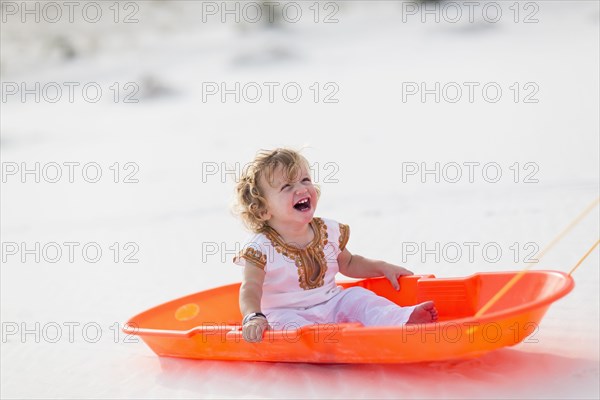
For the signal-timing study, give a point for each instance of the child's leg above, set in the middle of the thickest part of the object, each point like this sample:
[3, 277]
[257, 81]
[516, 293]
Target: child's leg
[358, 304]
[286, 318]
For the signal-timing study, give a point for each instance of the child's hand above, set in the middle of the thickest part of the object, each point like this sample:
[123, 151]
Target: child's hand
[393, 273]
[253, 330]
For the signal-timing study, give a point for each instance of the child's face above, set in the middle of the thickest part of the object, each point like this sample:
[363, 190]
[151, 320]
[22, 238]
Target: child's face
[289, 199]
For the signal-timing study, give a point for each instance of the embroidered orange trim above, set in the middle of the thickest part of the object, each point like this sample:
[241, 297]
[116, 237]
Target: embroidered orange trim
[254, 256]
[344, 236]
[310, 261]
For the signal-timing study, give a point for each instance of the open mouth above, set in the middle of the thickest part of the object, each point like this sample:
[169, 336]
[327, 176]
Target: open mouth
[303, 204]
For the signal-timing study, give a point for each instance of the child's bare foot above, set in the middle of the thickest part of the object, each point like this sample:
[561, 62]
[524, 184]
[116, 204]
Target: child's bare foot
[423, 313]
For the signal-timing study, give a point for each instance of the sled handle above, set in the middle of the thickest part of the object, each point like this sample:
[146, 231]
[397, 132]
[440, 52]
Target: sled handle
[207, 329]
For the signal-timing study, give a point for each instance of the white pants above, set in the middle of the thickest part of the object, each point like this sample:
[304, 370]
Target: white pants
[355, 304]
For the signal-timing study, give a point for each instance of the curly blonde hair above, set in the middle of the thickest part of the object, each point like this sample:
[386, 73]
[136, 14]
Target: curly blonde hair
[250, 202]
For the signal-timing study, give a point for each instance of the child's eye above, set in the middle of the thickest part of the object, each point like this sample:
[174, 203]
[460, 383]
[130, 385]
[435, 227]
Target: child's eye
[306, 180]
[285, 186]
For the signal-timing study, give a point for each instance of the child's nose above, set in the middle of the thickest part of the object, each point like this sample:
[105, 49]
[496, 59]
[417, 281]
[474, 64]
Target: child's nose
[301, 190]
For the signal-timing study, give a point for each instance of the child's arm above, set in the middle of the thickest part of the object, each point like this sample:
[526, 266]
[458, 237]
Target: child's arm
[355, 266]
[251, 289]
[250, 296]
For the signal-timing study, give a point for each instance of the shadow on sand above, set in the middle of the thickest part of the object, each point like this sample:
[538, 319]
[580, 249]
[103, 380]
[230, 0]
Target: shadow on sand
[500, 374]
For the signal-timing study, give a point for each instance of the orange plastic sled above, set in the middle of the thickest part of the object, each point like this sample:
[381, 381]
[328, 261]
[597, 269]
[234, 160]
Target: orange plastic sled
[206, 325]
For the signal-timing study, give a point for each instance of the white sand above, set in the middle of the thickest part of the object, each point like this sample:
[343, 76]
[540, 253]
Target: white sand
[170, 213]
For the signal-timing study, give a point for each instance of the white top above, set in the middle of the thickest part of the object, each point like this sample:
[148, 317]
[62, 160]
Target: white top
[297, 277]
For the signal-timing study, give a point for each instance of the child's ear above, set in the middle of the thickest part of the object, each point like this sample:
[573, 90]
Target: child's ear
[265, 215]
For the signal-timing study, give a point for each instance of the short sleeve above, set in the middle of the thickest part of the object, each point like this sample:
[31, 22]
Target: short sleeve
[344, 236]
[253, 254]
[336, 238]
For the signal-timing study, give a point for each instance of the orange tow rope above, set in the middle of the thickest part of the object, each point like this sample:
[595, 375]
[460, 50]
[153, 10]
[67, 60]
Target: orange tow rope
[584, 257]
[539, 255]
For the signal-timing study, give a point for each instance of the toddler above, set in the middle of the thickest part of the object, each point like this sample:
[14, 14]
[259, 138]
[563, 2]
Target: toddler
[291, 262]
